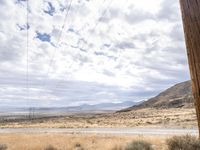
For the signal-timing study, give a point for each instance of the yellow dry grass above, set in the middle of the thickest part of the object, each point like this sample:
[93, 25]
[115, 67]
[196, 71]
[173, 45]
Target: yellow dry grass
[185, 118]
[38, 141]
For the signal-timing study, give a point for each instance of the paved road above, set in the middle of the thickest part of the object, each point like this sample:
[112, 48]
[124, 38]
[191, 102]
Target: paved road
[124, 131]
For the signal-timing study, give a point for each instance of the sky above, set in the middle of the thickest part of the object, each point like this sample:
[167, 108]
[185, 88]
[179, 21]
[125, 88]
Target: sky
[89, 51]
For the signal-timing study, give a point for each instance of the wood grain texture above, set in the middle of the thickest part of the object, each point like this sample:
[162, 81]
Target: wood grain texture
[191, 22]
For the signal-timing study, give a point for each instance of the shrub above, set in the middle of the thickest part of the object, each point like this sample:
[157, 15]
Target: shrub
[186, 142]
[117, 148]
[50, 147]
[78, 146]
[3, 147]
[139, 145]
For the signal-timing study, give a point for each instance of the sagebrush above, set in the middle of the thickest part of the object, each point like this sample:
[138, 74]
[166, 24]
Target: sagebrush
[3, 147]
[186, 142]
[139, 145]
[50, 147]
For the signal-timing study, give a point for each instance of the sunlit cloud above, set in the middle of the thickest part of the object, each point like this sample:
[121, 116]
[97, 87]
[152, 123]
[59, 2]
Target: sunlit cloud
[91, 52]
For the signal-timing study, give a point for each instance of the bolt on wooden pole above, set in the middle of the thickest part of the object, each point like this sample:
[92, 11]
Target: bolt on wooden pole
[191, 23]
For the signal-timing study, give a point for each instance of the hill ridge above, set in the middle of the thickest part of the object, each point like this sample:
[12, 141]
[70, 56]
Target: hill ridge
[179, 95]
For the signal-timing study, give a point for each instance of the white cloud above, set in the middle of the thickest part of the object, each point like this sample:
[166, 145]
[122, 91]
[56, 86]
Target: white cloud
[136, 49]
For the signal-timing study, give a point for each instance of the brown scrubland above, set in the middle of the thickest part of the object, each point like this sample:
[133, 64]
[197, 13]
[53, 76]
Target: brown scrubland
[148, 117]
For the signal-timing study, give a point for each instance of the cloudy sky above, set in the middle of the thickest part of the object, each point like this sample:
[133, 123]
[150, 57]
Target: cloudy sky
[89, 51]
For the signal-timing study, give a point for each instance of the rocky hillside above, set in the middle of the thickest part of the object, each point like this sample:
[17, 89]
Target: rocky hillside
[180, 95]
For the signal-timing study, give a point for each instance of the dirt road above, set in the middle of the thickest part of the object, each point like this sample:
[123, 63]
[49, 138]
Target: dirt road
[123, 131]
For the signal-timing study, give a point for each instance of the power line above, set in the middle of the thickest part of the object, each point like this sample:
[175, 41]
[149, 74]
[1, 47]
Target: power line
[96, 25]
[59, 38]
[94, 15]
[94, 28]
[103, 14]
[27, 48]
[52, 58]
[99, 19]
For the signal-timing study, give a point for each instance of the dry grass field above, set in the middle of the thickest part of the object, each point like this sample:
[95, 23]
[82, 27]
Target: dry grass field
[170, 118]
[62, 141]
[163, 118]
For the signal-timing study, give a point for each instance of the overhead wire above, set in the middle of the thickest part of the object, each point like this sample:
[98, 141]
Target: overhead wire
[59, 38]
[27, 48]
[102, 15]
[94, 28]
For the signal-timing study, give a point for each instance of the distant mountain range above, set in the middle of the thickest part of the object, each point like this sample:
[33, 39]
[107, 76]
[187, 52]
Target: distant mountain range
[105, 106]
[82, 108]
[179, 95]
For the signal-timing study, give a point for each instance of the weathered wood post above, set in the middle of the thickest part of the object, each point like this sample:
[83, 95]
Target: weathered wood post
[191, 22]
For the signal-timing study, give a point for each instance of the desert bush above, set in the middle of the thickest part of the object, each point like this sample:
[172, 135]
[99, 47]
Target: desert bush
[78, 146]
[186, 142]
[139, 145]
[117, 148]
[3, 147]
[50, 147]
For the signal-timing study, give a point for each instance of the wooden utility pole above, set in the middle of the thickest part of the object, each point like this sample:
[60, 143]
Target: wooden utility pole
[191, 22]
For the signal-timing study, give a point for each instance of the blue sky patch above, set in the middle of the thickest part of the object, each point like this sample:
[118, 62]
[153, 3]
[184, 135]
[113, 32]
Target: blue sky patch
[44, 37]
[73, 31]
[50, 9]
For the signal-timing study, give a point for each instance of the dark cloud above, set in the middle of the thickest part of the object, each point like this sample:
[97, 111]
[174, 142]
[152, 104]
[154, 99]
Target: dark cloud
[105, 55]
[137, 16]
[23, 27]
[11, 50]
[71, 30]
[112, 13]
[125, 45]
[99, 53]
[107, 45]
[79, 9]
[177, 33]
[108, 73]
[60, 92]
[169, 10]
[143, 37]
[18, 2]
[134, 16]
[81, 58]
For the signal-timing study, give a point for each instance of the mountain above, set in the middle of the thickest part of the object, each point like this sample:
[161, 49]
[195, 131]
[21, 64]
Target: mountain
[107, 106]
[72, 109]
[179, 95]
